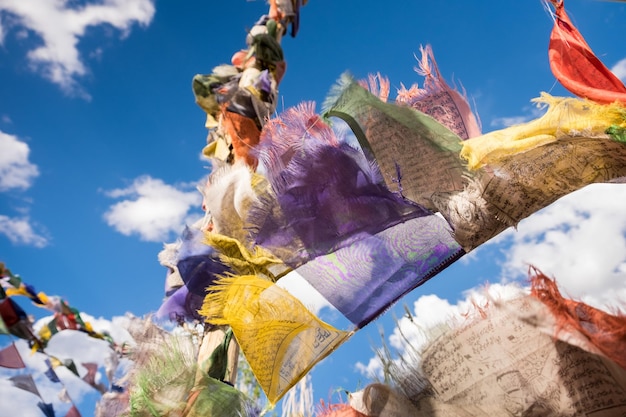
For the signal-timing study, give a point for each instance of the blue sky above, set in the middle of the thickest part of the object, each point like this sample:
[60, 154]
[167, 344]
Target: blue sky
[100, 142]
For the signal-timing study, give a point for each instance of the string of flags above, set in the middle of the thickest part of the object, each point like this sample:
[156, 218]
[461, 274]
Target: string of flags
[15, 323]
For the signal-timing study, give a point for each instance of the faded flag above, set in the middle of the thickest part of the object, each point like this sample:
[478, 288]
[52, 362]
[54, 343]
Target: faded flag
[10, 357]
[279, 337]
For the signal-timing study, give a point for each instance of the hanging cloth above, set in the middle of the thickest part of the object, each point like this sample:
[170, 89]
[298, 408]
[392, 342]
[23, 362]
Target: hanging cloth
[575, 65]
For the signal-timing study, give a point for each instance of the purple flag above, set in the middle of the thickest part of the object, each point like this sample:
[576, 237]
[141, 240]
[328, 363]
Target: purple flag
[330, 215]
[26, 383]
[365, 278]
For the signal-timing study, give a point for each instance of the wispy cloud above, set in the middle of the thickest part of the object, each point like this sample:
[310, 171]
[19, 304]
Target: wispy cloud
[509, 121]
[60, 25]
[152, 209]
[619, 69]
[16, 171]
[21, 231]
[528, 113]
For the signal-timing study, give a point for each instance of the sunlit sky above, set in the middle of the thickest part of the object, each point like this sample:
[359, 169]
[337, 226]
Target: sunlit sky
[100, 142]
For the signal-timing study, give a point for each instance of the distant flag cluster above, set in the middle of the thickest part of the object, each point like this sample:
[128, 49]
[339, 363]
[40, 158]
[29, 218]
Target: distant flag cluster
[14, 322]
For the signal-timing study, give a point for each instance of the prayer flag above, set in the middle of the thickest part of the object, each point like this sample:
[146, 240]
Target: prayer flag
[606, 331]
[26, 383]
[11, 312]
[330, 214]
[574, 64]
[417, 155]
[46, 408]
[73, 412]
[92, 370]
[90, 377]
[279, 337]
[438, 100]
[10, 357]
[363, 279]
[52, 376]
[69, 364]
[564, 117]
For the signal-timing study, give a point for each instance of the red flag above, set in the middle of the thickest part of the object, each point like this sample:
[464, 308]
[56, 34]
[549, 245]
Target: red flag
[73, 412]
[10, 358]
[92, 369]
[576, 67]
[11, 312]
[90, 376]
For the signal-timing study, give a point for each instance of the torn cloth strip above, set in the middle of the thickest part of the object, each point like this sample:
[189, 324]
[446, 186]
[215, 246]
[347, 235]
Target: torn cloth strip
[438, 100]
[576, 67]
[605, 331]
[565, 116]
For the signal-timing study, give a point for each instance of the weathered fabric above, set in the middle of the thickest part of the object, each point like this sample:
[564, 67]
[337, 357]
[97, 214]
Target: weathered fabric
[502, 359]
[417, 155]
[279, 337]
[564, 117]
[576, 67]
[330, 215]
[521, 184]
[605, 331]
[438, 100]
[325, 195]
[10, 357]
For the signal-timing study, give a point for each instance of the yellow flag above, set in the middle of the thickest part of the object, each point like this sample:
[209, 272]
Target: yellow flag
[564, 117]
[279, 337]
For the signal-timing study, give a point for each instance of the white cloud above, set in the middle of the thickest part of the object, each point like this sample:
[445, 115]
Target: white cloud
[60, 26]
[16, 171]
[619, 69]
[152, 210]
[431, 315]
[580, 240]
[20, 232]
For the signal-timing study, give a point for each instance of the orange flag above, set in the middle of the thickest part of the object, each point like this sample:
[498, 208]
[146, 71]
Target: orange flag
[576, 67]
